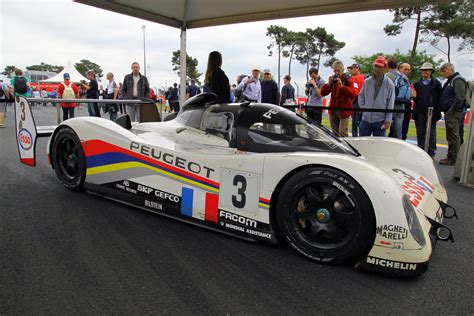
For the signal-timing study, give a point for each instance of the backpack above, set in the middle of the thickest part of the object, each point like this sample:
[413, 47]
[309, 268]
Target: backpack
[239, 92]
[68, 92]
[402, 89]
[19, 84]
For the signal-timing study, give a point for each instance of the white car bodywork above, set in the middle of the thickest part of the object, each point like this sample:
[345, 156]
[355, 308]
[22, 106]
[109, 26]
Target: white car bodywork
[154, 165]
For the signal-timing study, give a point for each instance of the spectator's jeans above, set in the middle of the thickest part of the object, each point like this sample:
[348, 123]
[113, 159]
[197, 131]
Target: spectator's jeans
[68, 113]
[420, 124]
[90, 109]
[356, 118]
[452, 119]
[175, 106]
[113, 115]
[374, 129]
[134, 112]
[338, 125]
[397, 125]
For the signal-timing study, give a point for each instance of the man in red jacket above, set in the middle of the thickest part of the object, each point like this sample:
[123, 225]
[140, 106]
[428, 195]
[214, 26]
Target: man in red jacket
[343, 91]
[359, 79]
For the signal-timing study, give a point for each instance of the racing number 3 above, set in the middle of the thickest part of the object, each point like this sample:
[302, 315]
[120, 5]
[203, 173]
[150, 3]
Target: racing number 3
[241, 183]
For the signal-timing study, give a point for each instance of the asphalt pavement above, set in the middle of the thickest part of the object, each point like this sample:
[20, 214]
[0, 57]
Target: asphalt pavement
[65, 252]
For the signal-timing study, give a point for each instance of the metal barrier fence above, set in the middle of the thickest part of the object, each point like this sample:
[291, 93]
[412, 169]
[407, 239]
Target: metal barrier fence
[98, 101]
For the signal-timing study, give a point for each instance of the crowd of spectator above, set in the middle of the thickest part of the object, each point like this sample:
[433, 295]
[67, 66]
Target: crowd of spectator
[386, 96]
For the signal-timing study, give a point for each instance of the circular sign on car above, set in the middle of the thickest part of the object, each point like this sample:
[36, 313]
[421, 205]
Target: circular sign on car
[25, 139]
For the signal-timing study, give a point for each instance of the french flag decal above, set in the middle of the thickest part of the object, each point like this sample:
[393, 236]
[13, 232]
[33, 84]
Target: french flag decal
[426, 184]
[199, 204]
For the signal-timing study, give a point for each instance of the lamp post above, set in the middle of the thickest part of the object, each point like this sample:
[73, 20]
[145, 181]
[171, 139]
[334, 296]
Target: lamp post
[144, 51]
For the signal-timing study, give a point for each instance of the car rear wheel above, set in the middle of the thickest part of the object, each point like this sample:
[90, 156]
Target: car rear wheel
[68, 159]
[325, 215]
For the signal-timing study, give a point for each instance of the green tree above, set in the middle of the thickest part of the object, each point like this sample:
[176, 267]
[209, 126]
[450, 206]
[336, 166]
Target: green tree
[277, 34]
[450, 21]
[291, 42]
[365, 62]
[192, 72]
[318, 43]
[46, 67]
[400, 17]
[8, 70]
[84, 65]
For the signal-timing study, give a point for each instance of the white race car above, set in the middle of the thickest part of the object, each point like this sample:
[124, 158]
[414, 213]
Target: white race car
[260, 172]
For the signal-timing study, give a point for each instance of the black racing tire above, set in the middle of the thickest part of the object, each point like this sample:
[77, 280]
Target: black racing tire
[326, 216]
[68, 159]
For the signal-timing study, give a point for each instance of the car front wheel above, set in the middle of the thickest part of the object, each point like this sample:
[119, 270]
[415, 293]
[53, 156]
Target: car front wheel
[326, 215]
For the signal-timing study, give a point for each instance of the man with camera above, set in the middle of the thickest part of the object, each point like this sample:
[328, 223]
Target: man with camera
[313, 92]
[343, 91]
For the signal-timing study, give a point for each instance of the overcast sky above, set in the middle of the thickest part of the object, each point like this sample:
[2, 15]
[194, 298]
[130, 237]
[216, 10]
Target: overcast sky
[55, 31]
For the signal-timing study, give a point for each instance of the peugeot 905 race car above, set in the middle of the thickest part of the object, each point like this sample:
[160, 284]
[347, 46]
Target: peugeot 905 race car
[260, 172]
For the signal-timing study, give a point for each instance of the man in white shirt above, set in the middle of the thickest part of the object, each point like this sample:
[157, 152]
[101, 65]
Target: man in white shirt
[251, 88]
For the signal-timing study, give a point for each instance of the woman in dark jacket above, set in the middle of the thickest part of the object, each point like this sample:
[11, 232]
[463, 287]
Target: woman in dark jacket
[216, 78]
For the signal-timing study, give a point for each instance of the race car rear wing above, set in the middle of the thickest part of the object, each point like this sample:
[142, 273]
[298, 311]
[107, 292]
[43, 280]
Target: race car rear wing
[27, 132]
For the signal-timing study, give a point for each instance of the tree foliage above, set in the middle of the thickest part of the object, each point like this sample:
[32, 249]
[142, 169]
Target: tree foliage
[8, 70]
[46, 67]
[436, 22]
[192, 72]
[365, 62]
[278, 35]
[84, 65]
[292, 41]
[401, 16]
[317, 43]
[450, 21]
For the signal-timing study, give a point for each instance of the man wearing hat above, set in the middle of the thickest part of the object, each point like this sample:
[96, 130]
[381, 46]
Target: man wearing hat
[428, 91]
[378, 92]
[270, 93]
[359, 79]
[68, 90]
[250, 86]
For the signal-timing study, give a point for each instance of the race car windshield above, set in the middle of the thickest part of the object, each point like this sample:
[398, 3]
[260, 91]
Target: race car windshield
[266, 128]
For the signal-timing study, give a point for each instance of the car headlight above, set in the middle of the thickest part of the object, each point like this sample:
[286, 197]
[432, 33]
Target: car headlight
[413, 223]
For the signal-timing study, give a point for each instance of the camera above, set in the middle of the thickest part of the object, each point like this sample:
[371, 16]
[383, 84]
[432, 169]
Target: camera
[334, 78]
[308, 85]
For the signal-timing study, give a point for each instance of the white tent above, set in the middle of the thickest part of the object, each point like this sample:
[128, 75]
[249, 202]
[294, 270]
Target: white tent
[71, 70]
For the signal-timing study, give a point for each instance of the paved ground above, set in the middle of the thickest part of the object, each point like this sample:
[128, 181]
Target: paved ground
[64, 252]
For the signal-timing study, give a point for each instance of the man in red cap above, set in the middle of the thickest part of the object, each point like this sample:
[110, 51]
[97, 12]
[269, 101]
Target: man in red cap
[378, 92]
